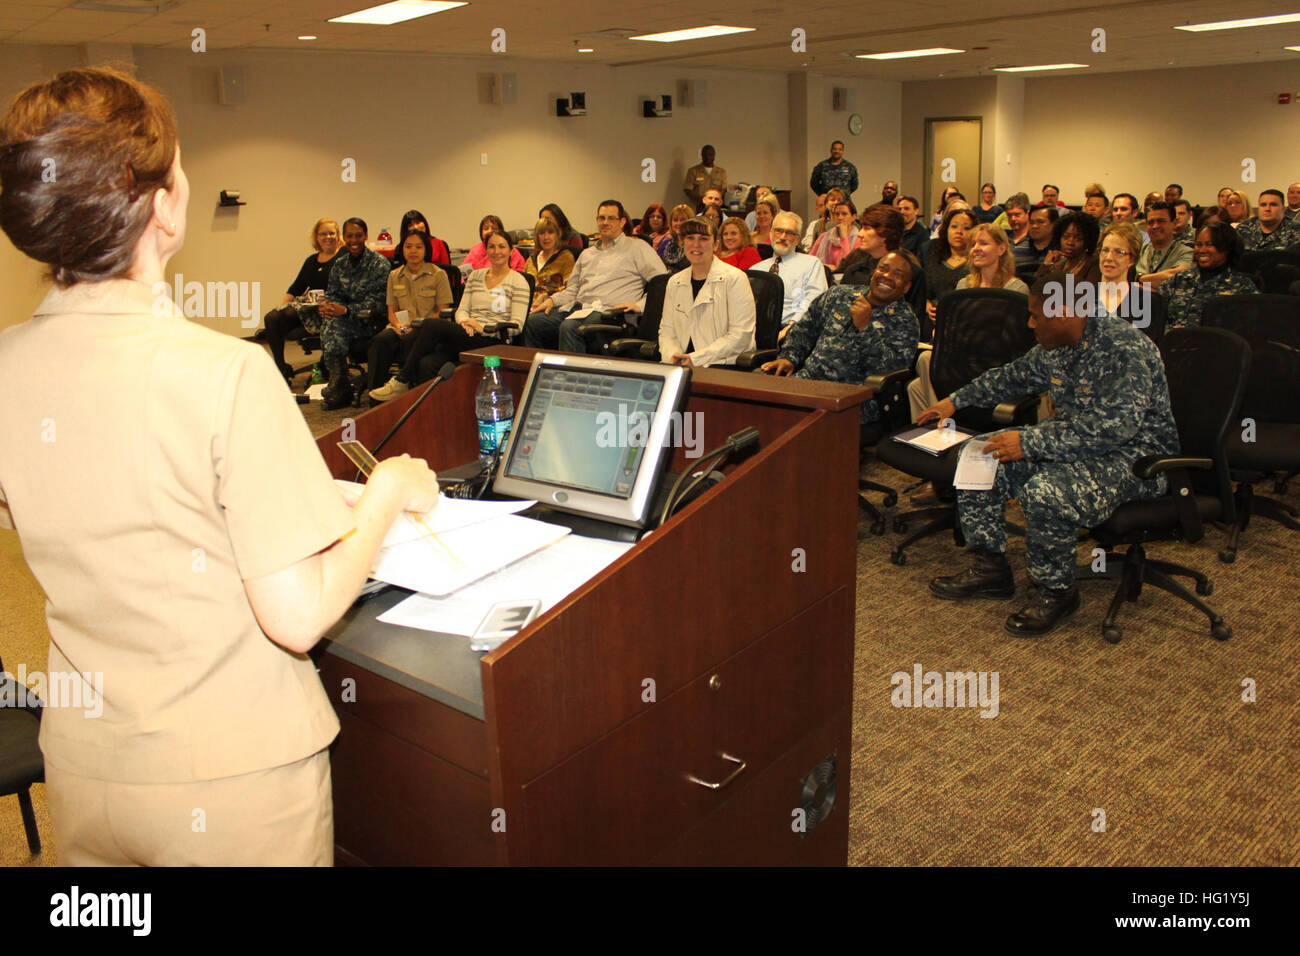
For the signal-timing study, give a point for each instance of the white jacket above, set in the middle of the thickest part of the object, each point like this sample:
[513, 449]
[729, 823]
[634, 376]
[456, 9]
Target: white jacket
[719, 323]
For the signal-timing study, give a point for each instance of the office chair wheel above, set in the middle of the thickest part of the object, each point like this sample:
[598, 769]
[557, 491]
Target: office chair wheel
[1205, 587]
[1228, 555]
[1220, 631]
[898, 558]
[900, 526]
[890, 500]
[878, 527]
[1112, 633]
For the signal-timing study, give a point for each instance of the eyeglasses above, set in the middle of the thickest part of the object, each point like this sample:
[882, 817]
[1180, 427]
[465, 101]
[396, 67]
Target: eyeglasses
[784, 232]
[1115, 252]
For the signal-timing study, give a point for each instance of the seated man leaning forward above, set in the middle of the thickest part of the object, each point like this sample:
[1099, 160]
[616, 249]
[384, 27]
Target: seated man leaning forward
[1108, 383]
[848, 336]
[609, 276]
[708, 316]
[804, 276]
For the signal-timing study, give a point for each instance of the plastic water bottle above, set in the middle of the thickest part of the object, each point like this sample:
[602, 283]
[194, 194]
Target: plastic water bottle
[494, 407]
[317, 374]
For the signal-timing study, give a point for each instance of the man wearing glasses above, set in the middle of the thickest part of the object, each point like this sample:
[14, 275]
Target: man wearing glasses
[610, 276]
[803, 275]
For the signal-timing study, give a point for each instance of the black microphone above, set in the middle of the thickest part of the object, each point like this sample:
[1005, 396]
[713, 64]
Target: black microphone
[447, 371]
[735, 443]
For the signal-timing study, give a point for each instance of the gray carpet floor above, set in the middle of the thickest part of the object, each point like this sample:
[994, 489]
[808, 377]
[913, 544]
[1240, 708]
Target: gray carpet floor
[1140, 753]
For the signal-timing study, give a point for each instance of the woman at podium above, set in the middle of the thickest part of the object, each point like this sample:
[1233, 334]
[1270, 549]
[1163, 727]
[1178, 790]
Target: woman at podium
[174, 508]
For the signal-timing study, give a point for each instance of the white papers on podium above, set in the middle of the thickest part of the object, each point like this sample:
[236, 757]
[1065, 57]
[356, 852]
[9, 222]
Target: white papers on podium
[448, 515]
[444, 562]
[934, 441]
[976, 471]
[550, 576]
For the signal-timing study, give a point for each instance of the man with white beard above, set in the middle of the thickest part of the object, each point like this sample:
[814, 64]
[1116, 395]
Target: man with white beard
[803, 275]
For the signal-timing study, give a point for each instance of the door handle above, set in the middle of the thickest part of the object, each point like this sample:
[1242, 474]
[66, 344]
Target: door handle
[725, 781]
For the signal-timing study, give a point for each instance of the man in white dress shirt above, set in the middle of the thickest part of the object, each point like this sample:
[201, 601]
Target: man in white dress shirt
[609, 277]
[803, 276]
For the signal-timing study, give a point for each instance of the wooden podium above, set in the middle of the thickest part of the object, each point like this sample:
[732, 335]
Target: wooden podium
[679, 708]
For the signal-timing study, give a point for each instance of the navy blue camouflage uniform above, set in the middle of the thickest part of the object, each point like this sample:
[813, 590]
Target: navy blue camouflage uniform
[358, 284]
[826, 345]
[827, 175]
[1189, 290]
[1112, 404]
[1253, 238]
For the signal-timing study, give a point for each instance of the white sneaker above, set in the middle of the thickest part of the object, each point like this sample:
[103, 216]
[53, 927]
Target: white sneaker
[393, 389]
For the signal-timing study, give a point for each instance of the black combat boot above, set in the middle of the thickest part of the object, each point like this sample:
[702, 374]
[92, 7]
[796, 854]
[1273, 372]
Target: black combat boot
[989, 576]
[1047, 607]
[338, 394]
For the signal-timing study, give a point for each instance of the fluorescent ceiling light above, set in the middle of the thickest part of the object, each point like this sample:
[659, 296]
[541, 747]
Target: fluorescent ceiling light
[1295, 48]
[905, 54]
[398, 11]
[695, 33]
[1238, 24]
[307, 36]
[1045, 66]
[586, 49]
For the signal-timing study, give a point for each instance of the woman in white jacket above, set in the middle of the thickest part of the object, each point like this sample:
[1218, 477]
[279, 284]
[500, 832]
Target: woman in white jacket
[708, 316]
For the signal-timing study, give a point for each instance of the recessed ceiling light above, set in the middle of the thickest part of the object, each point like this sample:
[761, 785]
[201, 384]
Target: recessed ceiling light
[695, 33]
[1044, 66]
[1238, 24]
[398, 11]
[307, 36]
[905, 54]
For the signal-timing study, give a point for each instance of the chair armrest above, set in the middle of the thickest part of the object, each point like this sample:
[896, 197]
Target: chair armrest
[635, 348]
[588, 331]
[502, 325]
[447, 313]
[1149, 466]
[1015, 412]
[755, 357]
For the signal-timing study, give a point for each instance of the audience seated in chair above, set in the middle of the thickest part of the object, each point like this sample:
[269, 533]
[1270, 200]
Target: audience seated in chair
[804, 275]
[418, 288]
[708, 314]
[735, 247]
[653, 225]
[610, 276]
[669, 248]
[354, 308]
[551, 263]
[568, 235]
[835, 244]
[1216, 253]
[493, 293]
[1107, 382]
[1271, 229]
[477, 257]
[415, 221]
[850, 334]
[291, 317]
[1164, 256]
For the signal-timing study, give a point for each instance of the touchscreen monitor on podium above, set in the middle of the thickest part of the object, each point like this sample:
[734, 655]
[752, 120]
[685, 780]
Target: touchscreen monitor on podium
[592, 435]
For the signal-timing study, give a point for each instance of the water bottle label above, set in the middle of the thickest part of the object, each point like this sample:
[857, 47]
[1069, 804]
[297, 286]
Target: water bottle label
[492, 435]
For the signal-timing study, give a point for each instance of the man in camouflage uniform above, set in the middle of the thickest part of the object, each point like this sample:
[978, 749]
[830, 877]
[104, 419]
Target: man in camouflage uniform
[1216, 252]
[1107, 382]
[835, 171]
[358, 281]
[1270, 229]
[847, 336]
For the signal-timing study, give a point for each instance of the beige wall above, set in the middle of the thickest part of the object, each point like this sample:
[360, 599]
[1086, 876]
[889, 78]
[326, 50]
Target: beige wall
[284, 147]
[946, 99]
[1137, 132]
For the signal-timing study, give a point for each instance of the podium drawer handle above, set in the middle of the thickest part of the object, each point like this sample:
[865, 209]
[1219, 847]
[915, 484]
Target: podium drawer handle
[722, 783]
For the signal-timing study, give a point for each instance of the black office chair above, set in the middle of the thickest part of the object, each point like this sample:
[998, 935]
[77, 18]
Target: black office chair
[21, 763]
[1207, 371]
[890, 395]
[600, 336]
[975, 330]
[1270, 411]
[1272, 269]
[645, 344]
[769, 308]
